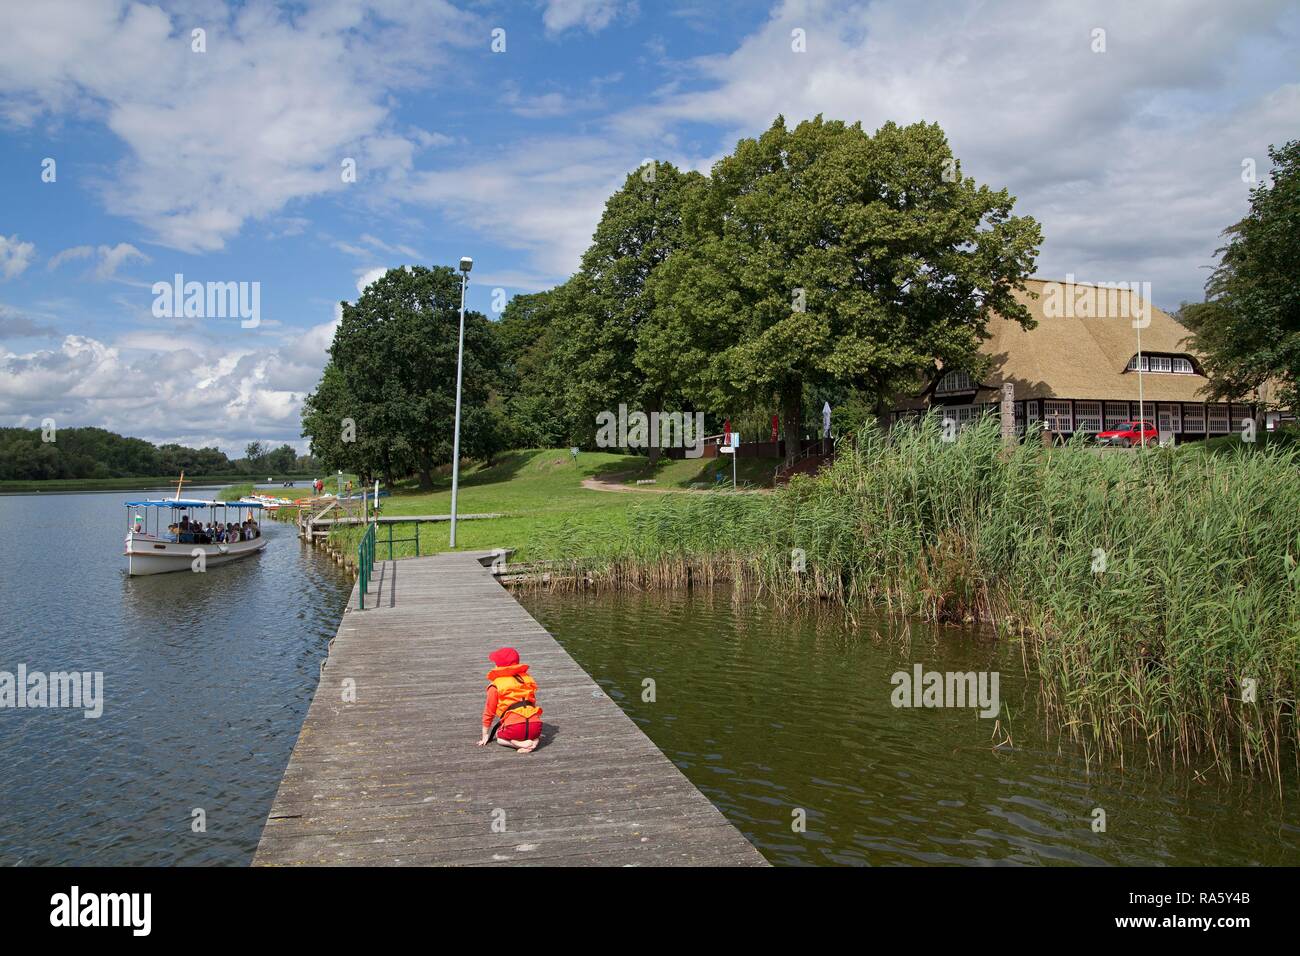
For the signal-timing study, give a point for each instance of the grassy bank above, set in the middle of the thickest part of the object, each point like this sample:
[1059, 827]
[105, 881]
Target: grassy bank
[235, 492]
[699, 473]
[1150, 589]
[537, 491]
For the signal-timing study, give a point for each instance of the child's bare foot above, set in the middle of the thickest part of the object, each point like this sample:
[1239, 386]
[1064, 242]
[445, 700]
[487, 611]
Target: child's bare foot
[529, 746]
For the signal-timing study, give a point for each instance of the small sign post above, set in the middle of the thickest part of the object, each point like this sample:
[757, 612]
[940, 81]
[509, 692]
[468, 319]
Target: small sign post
[731, 450]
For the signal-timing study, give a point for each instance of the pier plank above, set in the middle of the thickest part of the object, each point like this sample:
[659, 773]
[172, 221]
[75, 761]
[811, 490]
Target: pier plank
[393, 777]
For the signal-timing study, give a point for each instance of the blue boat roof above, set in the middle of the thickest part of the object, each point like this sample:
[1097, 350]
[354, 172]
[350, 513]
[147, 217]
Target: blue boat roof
[192, 503]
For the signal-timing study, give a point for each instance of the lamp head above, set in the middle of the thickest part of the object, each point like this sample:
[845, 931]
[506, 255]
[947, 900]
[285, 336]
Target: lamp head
[466, 263]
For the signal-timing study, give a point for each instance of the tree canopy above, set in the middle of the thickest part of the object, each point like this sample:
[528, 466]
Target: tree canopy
[825, 256]
[386, 401]
[26, 455]
[1248, 328]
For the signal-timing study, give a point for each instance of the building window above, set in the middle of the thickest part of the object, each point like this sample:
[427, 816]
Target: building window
[1239, 414]
[958, 381]
[1057, 415]
[1116, 414]
[1194, 418]
[1161, 363]
[1088, 416]
[1218, 419]
[1031, 409]
[1170, 419]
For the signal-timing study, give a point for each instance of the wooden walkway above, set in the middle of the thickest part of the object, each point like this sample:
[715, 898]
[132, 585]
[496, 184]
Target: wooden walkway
[395, 778]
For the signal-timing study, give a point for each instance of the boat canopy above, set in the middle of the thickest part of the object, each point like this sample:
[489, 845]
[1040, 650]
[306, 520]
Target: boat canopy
[192, 503]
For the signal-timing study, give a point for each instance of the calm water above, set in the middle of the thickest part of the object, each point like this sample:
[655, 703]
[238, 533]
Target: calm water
[207, 678]
[767, 714]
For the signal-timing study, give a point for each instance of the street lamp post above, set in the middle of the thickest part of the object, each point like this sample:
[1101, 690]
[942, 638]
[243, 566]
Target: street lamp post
[466, 263]
[1142, 408]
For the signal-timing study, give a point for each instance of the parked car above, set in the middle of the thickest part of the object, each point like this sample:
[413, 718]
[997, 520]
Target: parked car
[1129, 433]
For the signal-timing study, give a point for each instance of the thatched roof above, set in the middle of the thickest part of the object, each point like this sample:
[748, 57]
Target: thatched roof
[1073, 355]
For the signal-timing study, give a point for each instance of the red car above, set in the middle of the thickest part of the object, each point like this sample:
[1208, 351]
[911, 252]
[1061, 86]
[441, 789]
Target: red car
[1129, 433]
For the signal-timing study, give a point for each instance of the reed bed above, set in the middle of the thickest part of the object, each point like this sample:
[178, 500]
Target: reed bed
[1156, 592]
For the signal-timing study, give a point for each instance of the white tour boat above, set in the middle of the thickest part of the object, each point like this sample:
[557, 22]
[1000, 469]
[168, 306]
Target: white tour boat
[169, 534]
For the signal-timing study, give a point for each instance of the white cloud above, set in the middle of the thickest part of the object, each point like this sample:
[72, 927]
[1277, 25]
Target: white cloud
[591, 15]
[112, 257]
[69, 255]
[164, 388]
[1130, 159]
[15, 256]
[263, 117]
[543, 196]
[368, 276]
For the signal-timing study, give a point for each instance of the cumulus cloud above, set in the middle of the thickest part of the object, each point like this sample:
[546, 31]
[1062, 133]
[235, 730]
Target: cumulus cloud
[1131, 158]
[263, 117]
[591, 15]
[543, 197]
[166, 391]
[15, 256]
[368, 276]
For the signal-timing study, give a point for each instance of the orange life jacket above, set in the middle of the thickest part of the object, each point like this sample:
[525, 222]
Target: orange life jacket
[516, 691]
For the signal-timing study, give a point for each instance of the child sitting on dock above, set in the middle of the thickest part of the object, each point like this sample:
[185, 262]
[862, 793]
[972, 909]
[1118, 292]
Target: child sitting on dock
[511, 711]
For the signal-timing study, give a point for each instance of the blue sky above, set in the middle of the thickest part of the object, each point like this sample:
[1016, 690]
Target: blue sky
[224, 165]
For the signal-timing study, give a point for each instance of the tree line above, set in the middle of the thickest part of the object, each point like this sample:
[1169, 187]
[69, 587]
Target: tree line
[820, 262]
[29, 454]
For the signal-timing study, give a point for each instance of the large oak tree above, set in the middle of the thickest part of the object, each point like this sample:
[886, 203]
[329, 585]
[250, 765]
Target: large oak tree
[824, 255]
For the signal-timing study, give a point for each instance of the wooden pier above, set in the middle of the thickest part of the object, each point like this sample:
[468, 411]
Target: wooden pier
[393, 776]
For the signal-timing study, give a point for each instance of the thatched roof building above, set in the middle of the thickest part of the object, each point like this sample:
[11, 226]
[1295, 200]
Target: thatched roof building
[1077, 369]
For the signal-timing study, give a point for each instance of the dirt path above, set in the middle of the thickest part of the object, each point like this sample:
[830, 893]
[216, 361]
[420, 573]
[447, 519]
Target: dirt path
[597, 484]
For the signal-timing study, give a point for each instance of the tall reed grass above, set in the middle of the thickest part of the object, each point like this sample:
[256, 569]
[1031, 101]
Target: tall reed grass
[1156, 591]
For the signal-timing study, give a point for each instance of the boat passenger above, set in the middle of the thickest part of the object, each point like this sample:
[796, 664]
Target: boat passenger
[511, 711]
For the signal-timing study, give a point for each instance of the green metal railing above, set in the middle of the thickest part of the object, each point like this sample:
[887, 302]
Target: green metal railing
[366, 561]
[415, 539]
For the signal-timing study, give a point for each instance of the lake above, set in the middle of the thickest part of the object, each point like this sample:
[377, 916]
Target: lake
[776, 716]
[207, 678]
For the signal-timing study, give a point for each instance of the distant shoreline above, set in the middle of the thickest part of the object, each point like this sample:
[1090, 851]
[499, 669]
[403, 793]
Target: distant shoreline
[56, 485]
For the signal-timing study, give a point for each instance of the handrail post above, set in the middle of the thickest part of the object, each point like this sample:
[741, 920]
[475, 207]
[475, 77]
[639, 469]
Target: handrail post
[365, 563]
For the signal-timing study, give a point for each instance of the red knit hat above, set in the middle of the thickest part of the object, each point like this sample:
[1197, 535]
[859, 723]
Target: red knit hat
[504, 657]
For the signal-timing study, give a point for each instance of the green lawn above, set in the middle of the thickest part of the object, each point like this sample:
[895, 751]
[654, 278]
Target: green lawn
[698, 472]
[539, 491]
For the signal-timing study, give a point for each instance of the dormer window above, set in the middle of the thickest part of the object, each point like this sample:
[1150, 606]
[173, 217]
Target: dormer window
[959, 381]
[1162, 363]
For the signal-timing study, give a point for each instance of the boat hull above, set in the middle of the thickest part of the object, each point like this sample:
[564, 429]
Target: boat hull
[148, 555]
